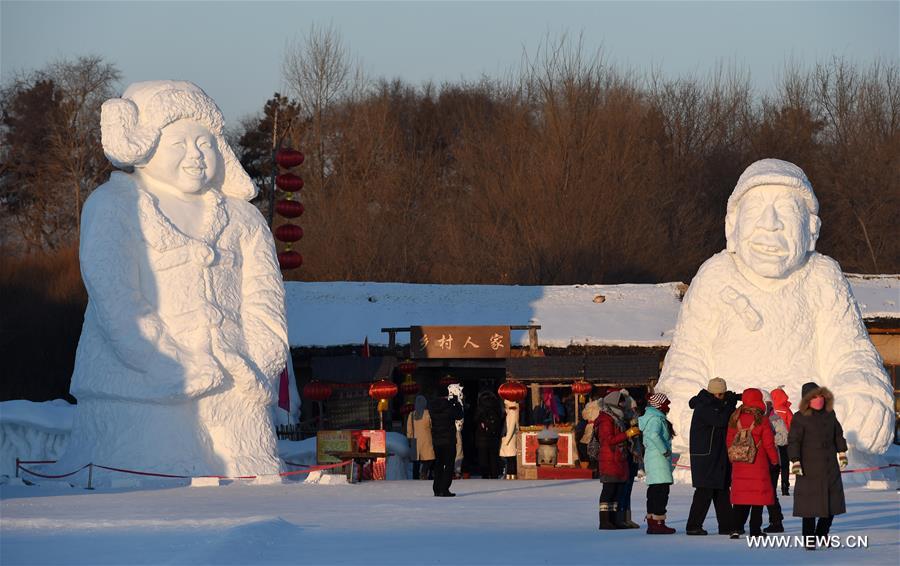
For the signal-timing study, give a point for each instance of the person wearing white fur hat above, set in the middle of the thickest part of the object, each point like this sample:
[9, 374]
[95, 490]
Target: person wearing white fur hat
[185, 331]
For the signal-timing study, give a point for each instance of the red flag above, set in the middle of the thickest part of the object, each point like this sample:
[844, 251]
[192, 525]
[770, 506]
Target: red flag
[365, 350]
[284, 391]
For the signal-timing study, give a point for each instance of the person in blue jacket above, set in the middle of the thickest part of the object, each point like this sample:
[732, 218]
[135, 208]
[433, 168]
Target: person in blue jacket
[657, 434]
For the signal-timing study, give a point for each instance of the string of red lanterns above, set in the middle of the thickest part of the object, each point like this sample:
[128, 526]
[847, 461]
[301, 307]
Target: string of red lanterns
[287, 207]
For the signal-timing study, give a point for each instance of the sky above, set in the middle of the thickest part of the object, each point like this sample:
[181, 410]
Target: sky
[234, 50]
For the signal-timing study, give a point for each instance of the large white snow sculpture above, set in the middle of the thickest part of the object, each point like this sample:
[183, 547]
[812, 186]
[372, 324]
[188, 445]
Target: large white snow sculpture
[770, 311]
[184, 334]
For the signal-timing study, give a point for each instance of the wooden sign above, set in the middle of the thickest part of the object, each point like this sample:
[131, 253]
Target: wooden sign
[328, 441]
[459, 342]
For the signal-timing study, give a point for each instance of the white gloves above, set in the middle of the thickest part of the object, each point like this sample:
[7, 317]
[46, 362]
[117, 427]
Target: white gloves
[796, 469]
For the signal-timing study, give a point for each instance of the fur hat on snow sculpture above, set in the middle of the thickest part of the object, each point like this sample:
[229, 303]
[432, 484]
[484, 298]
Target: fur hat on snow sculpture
[778, 173]
[130, 128]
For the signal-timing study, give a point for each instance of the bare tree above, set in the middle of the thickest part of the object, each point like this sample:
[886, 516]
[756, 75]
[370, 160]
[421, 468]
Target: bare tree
[53, 156]
[320, 72]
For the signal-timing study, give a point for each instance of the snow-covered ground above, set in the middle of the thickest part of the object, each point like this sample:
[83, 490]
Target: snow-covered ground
[392, 522]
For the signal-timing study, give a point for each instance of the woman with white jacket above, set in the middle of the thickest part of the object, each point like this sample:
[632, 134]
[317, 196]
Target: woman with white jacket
[509, 441]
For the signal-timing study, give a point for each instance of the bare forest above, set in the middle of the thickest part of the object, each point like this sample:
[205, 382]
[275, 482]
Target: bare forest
[569, 169]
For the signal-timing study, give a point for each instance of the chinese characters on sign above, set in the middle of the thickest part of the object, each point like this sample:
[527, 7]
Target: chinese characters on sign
[459, 341]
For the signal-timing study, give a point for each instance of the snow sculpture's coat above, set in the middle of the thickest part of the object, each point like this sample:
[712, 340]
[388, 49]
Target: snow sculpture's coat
[184, 336]
[765, 313]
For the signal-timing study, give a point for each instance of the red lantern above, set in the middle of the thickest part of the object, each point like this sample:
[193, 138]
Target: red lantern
[407, 408]
[409, 387]
[512, 391]
[288, 158]
[290, 260]
[288, 182]
[407, 367]
[288, 232]
[316, 391]
[289, 208]
[582, 387]
[382, 389]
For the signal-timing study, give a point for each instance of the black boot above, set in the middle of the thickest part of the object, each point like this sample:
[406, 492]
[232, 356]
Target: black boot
[606, 519]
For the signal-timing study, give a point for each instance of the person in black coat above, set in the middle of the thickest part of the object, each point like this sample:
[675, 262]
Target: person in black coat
[444, 414]
[488, 429]
[710, 468]
[818, 452]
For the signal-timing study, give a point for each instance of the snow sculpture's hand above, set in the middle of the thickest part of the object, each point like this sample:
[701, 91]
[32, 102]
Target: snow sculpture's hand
[250, 382]
[796, 469]
[842, 460]
[202, 374]
[868, 424]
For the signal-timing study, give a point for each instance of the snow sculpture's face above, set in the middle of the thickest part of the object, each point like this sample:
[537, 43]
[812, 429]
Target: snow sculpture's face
[772, 231]
[186, 158]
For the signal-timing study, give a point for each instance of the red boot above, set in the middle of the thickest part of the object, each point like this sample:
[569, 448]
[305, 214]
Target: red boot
[656, 525]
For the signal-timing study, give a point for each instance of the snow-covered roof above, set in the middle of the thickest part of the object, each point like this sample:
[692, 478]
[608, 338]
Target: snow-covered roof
[338, 313]
[325, 314]
[878, 296]
[49, 416]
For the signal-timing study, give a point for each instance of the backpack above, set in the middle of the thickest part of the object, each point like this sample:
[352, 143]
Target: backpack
[743, 449]
[593, 447]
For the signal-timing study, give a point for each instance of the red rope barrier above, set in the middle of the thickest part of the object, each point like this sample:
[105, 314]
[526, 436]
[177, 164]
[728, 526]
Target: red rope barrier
[175, 476]
[313, 468]
[24, 469]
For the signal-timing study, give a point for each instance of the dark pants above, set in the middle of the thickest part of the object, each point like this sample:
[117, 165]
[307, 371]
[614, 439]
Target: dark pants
[703, 496]
[624, 494]
[488, 458]
[510, 465]
[444, 454]
[755, 513]
[421, 469]
[785, 469]
[610, 492]
[776, 517]
[811, 528]
[657, 498]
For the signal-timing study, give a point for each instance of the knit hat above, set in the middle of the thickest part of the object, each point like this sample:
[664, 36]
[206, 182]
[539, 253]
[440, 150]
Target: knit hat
[657, 400]
[753, 398]
[807, 387]
[612, 398]
[717, 385]
[774, 172]
[130, 127]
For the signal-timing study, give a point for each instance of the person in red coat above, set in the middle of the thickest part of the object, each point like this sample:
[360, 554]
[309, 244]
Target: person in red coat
[612, 431]
[751, 482]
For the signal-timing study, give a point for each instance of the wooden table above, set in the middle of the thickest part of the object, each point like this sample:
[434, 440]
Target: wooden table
[355, 457]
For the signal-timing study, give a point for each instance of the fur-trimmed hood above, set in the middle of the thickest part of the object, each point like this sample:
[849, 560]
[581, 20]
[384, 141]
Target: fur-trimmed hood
[805, 409]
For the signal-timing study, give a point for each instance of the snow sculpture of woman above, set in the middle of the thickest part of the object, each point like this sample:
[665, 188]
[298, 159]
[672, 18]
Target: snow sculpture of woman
[184, 334]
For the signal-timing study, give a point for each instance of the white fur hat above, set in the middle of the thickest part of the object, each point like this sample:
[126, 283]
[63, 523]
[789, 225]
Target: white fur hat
[774, 172]
[130, 127]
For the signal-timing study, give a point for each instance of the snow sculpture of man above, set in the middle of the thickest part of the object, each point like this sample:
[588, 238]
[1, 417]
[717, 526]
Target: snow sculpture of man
[184, 334]
[771, 311]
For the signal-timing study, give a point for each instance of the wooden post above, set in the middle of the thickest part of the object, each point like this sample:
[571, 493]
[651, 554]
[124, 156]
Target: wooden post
[532, 339]
[90, 476]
